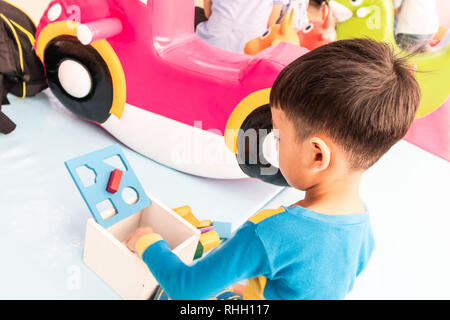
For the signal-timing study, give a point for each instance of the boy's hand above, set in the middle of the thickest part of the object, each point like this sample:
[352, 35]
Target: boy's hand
[239, 289]
[135, 236]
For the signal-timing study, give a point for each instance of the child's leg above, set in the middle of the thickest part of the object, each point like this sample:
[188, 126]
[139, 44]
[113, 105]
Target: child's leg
[160, 294]
[200, 16]
[414, 42]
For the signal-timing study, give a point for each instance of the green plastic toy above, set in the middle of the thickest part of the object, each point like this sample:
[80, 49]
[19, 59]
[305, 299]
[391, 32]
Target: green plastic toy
[374, 19]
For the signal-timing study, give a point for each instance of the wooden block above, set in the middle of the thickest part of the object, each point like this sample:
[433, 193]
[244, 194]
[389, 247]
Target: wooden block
[182, 211]
[186, 213]
[199, 251]
[209, 240]
[223, 229]
[204, 224]
[114, 181]
[207, 229]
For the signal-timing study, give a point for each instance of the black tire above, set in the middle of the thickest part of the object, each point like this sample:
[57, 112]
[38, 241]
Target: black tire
[250, 156]
[97, 104]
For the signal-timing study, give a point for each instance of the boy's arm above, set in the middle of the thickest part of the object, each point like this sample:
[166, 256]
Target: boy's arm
[207, 8]
[241, 257]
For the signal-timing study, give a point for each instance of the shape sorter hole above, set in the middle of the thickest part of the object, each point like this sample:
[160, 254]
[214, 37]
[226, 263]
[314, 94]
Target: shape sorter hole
[130, 196]
[116, 162]
[106, 209]
[87, 175]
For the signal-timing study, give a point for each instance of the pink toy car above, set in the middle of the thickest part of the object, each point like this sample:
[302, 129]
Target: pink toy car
[137, 68]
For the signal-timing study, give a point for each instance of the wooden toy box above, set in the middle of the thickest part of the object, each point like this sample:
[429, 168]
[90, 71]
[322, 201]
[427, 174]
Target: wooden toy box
[106, 254]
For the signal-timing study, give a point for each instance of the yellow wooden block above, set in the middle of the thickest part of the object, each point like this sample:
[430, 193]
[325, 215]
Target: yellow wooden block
[192, 220]
[209, 240]
[186, 213]
[182, 211]
[204, 224]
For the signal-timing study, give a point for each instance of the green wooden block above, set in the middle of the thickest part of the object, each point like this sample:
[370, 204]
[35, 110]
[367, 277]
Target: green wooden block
[198, 251]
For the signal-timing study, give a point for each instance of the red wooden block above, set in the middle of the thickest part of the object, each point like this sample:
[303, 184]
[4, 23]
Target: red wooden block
[114, 181]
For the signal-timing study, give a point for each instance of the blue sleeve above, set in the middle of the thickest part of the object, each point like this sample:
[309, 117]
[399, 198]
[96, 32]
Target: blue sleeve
[240, 257]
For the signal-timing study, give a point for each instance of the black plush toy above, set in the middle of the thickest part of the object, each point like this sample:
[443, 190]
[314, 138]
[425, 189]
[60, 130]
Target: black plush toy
[6, 125]
[21, 71]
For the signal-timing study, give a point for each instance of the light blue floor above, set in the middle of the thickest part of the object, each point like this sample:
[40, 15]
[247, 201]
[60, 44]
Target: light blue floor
[43, 216]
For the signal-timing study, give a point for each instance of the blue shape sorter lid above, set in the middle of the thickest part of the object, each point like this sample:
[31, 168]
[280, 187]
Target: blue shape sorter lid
[96, 193]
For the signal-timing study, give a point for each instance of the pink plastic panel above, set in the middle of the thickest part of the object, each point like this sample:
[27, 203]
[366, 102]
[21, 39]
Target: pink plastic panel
[432, 133]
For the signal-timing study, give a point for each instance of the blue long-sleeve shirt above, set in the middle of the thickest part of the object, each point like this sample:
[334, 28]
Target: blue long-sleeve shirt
[286, 253]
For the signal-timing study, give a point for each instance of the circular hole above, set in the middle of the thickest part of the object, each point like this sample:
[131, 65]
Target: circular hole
[129, 195]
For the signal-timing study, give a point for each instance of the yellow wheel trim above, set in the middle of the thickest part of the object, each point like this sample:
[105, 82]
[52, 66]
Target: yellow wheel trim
[103, 48]
[250, 103]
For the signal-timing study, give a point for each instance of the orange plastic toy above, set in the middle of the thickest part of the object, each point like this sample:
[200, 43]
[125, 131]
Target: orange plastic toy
[283, 32]
[319, 33]
[439, 36]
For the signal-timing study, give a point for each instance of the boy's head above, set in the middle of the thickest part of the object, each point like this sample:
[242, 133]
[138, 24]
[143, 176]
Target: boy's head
[339, 108]
[315, 8]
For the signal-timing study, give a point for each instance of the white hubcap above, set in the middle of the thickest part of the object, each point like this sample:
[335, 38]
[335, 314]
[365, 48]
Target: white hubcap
[75, 78]
[269, 149]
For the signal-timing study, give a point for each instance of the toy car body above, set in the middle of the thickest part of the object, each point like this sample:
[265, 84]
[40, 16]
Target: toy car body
[137, 68]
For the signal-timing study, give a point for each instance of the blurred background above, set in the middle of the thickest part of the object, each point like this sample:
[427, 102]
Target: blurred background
[35, 8]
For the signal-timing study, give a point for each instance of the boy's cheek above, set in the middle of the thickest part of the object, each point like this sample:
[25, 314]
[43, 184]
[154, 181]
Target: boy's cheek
[293, 170]
[287, 169]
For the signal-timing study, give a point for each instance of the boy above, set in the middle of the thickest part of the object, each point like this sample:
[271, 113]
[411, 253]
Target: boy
[280, 7]
[231, 24]
[315, 8]
[337, 110]
[417, 23]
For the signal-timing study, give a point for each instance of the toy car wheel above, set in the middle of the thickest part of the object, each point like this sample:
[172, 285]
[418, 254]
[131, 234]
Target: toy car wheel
[256, 148]
[79, 77]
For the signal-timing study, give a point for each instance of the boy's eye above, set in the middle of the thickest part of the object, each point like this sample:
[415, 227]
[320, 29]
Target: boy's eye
[356, 2]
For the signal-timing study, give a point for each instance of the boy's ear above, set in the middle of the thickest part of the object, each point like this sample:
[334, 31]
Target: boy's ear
[321, 154]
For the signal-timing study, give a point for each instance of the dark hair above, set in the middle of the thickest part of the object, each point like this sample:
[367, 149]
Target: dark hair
[355, 91]
[318, 3]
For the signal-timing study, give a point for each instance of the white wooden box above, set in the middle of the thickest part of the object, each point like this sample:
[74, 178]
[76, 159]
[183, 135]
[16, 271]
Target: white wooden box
[107, 255]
